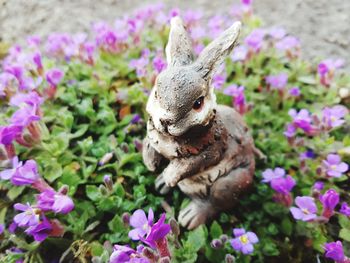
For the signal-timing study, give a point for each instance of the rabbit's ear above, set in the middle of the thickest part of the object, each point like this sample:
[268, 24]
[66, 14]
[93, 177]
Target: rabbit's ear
[179, 47]
[216, 52]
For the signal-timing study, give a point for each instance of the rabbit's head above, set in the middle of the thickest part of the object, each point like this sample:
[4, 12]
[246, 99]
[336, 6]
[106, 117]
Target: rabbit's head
[182, 97]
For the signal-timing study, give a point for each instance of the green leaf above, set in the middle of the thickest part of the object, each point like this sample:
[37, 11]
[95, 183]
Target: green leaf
[345, 234]
[197, 238]
[14, 192]
[52, 171]
[215, 230]
[93, 192]
[287, 226]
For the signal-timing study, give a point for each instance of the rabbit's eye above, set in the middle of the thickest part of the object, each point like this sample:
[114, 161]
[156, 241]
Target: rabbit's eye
[198, 104]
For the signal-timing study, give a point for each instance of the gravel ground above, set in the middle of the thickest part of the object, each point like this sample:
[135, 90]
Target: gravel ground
[322, 25]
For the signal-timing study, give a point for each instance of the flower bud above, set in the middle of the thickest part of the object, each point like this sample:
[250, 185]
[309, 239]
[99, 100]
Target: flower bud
[64, 189]
[105, 158]
[126, 218]
[216, 243]
[138, 145]
[108, 182]
[230, 259]
[164, 260]
[175, 228]
[224, 238]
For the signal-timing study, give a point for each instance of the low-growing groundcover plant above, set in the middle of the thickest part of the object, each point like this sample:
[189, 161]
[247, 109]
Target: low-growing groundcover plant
[73, 185]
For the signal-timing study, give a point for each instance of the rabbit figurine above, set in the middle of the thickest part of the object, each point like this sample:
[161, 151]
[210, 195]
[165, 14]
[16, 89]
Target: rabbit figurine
[209, 150]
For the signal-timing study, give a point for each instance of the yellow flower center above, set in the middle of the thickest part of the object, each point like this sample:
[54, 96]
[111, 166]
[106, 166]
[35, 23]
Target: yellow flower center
[333, 167]
[305, 211]
[145, 227]
[244, 239]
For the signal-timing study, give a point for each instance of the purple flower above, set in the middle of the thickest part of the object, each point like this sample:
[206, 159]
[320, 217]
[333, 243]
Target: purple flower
[31, 98]
[309, 154]
[295, 92]
[277, 32]
[287, 43]
[24, 116]
[141, 63]
[218, 80]
[334, 250]
[50, 200]
[290, 131]
[246, 2]
[237, 92]
[136, 119]
[159, 64]
[37, 61]
[41, 230]
[345, 209]
[141, 224]
[329, 66]
[302, 120]
[318, 186]
[54, 76]
[2, 228]
[157, 233]
[9, 133]
[240, 53]
[21, 174]
[306, 210]
[329, 200]
[255, 39]
[333, 117]
[7, 80]
[125, 254]
[243, 241]
[29, 217]
[283, 185]
[277, 81]
[334, 166]
[269, 174]
[216, 24]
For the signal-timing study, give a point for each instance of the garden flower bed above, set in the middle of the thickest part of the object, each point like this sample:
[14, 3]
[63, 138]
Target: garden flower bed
[73, 185]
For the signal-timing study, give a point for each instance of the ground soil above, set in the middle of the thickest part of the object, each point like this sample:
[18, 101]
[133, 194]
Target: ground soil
[322, 25]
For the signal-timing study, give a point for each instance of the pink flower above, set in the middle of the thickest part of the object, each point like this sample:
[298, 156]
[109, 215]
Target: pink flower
[21, 174]
[255, 39]
[334, 250]
[49, 200]
[141, 224]
[345, 209]
[334, 117]
[306, 210]
[244, 241]
[269, 174]
[283, 185]
[29, 217]
[334, 166]
[329, 200]
[295, 92]
[54, 76]
[278, 81]
[288, 43]
[277, 32]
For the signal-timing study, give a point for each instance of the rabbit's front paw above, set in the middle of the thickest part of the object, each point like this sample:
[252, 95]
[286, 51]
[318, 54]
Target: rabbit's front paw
[161, 187]
[171, 176]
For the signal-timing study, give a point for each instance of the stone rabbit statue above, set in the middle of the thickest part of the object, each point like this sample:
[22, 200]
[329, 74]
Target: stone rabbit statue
[209, 150]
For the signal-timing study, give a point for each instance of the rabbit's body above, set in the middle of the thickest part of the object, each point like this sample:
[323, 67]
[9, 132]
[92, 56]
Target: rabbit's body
[208, 146]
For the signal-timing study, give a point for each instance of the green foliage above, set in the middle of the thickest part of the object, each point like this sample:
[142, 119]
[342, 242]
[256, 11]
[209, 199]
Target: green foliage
[91, 116]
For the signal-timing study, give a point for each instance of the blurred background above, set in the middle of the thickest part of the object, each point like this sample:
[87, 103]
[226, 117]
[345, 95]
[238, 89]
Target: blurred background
[323, 26]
